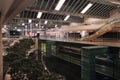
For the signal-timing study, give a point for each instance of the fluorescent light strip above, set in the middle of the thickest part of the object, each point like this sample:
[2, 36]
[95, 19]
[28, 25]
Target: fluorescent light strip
[39, 15]
[30, 20]
[66, 18]
[59, 5]
[46, 22]
[86, 8]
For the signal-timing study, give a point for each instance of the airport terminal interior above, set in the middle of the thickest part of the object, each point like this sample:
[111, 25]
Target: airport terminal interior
[59, 39]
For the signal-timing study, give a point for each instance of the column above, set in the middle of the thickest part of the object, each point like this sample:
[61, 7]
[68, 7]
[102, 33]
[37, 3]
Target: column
[48, 48]
[1, 56]
[36, 43]
[88, 61]
[114, 51]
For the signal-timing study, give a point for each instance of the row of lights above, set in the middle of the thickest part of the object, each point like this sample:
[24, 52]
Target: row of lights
[23, 24]
[58, 7]
[60, 4]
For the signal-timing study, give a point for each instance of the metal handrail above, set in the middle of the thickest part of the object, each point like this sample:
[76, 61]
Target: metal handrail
[104, 26]
[108, 23]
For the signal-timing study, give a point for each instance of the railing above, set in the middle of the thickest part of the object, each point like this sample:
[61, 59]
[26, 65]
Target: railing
[104, 64]
[108, 23]
[102, 28]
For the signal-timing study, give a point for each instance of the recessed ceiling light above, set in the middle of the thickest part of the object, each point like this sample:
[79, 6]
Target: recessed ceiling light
[59, 5]
[46, 22]
[39, 14]
[55, 25]
[66, 18]
[42, 27]
[86, 8]
[23, 24]
[36, 24]
[30, 20]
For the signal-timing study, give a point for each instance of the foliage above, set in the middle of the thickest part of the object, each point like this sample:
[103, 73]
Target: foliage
[26, 66]
[21, 47]
[52, 76]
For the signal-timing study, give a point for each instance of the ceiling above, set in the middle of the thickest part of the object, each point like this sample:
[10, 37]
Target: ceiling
[9, 8]
[99, 9]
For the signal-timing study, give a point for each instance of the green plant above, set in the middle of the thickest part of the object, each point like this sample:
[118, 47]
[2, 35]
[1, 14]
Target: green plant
[21, 65]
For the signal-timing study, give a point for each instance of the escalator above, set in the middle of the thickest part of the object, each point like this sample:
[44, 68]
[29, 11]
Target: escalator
[102, 30]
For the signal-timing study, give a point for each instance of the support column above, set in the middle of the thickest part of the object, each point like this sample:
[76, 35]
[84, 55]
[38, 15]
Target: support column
[88, 61]
[114, 51]
[1, 56]
[48, 48]
[36, 47]
[39, 48]
[36, 43]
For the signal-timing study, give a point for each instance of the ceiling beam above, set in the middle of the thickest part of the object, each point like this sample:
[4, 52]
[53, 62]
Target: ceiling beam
[106, 2]
[66, 13]
[17, 23]
[42, 19]
[15, 7]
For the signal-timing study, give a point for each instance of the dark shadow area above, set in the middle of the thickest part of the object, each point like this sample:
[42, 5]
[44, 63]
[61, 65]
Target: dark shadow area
[69, 70]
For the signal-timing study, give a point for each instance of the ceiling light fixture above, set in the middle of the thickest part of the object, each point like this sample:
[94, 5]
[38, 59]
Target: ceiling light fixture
[23, 24]
[55, 26]
[30, 20]
[59, 5]
[86, 8]
[66, 18]
[46, 22]
[42, 27]
[36, 24]
[15, 27]
[39, 15]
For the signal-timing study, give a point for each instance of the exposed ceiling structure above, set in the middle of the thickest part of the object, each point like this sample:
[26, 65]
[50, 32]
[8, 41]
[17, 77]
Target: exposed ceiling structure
[9, 8]
[73, 9]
